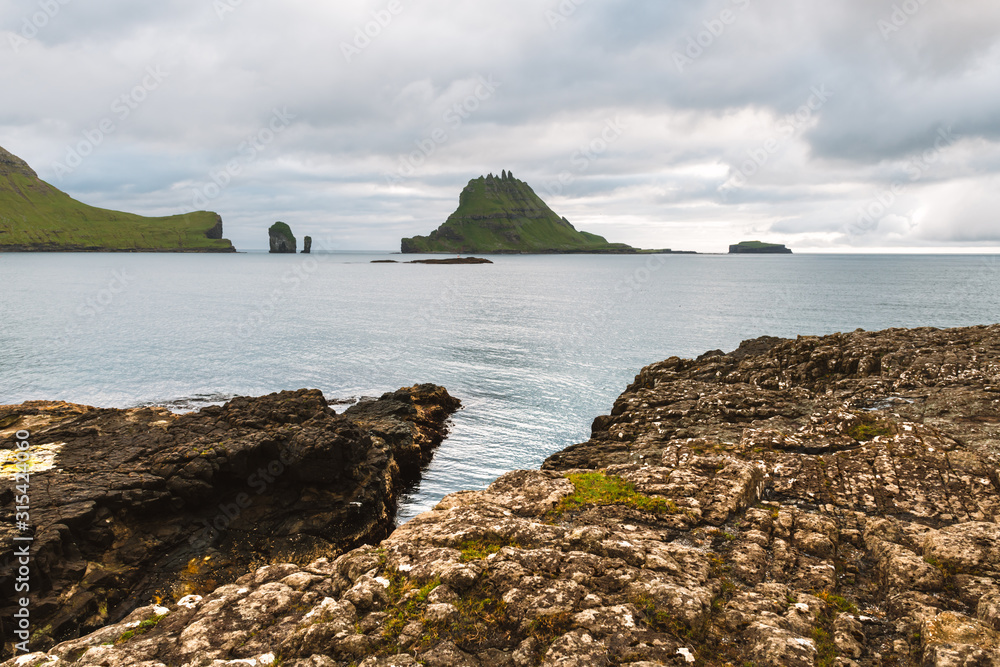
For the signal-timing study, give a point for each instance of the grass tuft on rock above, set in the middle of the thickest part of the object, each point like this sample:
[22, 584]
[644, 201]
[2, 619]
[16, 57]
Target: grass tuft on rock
[598, 488]
[838, 602]
[141, 629]
[479, 549]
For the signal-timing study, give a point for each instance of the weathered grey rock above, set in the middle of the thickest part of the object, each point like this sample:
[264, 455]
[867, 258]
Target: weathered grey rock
[307, 244]
[824, 501]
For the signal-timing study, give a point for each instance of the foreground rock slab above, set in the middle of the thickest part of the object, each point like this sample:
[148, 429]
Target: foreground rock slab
[820, 501]
[129, 506]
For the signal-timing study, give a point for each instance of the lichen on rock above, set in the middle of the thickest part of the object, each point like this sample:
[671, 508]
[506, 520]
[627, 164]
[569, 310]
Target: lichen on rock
[729, 511]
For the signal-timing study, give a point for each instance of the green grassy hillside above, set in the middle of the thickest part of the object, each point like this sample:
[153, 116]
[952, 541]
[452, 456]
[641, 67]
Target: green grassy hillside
[35, 216]
[500, 214]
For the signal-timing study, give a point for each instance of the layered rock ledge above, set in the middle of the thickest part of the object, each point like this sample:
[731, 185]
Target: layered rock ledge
[129, 506]
[820, 501]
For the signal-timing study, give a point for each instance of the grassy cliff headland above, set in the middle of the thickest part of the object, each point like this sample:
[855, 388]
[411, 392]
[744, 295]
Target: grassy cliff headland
[37, 217]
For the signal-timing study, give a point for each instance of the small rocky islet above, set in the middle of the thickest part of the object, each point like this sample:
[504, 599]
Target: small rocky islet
[820, 501]
[758, 248]
[450, 260]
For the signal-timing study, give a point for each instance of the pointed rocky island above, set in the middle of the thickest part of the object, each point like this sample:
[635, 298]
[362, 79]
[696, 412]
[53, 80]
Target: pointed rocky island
[501, 214]
[37, 217]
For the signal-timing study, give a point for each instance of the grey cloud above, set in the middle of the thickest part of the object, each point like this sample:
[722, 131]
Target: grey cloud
[356, 120]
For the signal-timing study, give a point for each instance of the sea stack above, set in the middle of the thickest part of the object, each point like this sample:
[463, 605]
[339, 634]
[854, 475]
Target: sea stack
[282, 240]
[307, 244]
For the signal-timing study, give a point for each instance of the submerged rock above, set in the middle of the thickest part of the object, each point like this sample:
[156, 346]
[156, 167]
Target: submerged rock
[453, 260]
[820, 501]
[144, 504]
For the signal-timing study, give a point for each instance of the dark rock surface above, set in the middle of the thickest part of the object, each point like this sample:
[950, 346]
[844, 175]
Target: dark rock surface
[410, 420]
[452, 260]
[307, 244]
[141, 504]
[216, 231]
[824, 501]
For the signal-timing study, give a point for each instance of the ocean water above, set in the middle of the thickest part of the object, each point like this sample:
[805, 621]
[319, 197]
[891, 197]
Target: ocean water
[535, 346]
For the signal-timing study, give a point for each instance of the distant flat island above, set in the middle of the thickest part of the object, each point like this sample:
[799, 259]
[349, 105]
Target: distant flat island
[758, 248]
[503, 215]
[38, 217]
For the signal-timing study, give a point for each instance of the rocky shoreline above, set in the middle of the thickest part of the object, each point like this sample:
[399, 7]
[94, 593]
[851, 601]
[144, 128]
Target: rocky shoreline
[134, 505]
[819, 501]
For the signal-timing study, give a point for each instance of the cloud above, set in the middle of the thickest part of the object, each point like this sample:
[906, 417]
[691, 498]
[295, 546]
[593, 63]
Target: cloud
[716, 143]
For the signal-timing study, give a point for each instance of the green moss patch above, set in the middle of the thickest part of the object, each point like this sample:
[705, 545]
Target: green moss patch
[870, 427]
[838, 602]
[140, 629]
[597, 488]
[282, 229]
[402, 611]
[478, 549]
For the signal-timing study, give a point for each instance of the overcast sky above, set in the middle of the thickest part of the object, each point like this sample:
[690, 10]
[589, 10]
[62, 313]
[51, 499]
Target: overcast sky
[685, 124]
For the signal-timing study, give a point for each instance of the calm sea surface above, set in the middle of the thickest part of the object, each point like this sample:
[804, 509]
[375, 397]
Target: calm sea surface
[535, 346]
